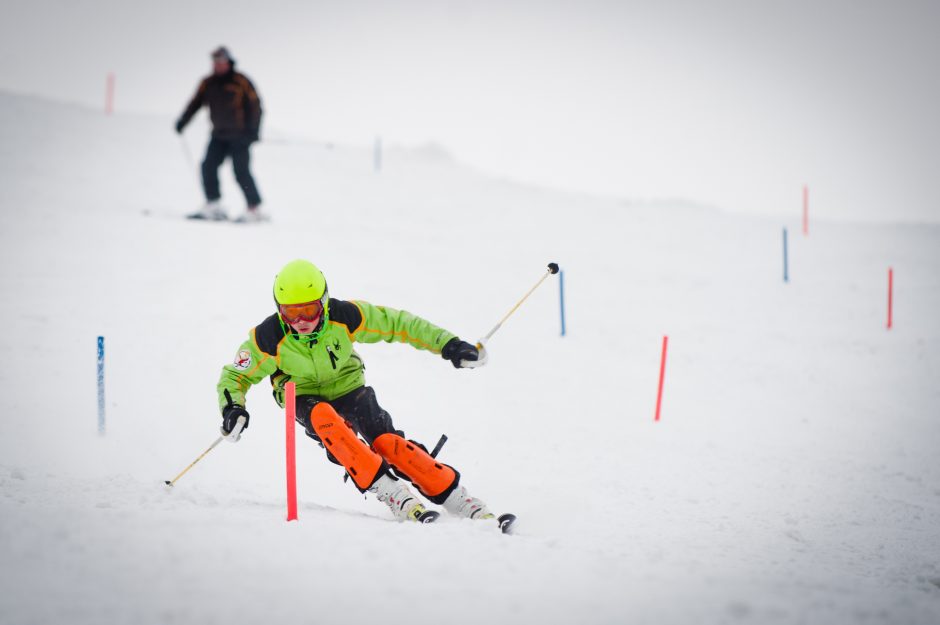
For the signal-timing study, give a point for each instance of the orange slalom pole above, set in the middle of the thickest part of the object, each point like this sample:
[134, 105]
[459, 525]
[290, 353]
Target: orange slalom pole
[290, 400]
[805, 210]
[662, 375]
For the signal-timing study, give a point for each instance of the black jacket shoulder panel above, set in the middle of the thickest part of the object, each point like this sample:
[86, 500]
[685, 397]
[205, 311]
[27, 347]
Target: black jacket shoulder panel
[345, 313]
[268, 335]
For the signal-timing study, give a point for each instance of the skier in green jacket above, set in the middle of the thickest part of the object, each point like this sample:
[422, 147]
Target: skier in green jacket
[309, 341]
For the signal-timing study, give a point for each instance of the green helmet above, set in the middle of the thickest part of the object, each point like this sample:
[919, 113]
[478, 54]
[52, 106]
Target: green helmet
[299, 282]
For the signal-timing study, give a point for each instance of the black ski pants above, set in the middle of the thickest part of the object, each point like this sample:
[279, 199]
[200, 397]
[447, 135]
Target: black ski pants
[216, 153]
[359, 407]
[362, 411]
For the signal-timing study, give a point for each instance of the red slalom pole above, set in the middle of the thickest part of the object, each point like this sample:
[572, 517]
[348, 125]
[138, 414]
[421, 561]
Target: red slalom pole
[290, 396]
[662, 375]
[109, 95]
[890, 295]
[805, 210]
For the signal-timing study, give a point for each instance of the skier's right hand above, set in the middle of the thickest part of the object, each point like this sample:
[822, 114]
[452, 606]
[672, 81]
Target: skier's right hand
[230, 415]
[179, 126]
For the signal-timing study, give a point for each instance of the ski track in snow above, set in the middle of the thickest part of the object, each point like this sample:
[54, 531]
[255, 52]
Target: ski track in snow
[793, 478]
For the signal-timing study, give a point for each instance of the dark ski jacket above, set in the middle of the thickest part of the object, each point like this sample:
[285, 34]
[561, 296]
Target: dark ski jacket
[234, 106]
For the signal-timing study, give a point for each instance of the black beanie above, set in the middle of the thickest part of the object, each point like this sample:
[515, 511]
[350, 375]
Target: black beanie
[222, 53]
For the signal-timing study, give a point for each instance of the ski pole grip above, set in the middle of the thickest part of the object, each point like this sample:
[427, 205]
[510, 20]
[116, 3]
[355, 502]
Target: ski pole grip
[236, 432]
[481, 359]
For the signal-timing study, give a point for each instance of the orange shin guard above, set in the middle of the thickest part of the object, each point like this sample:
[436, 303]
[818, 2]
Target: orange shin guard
[362, 464]
[431, 477]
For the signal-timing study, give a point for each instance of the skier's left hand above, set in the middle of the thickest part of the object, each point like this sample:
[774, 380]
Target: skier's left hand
[278, 384]
[461, 354]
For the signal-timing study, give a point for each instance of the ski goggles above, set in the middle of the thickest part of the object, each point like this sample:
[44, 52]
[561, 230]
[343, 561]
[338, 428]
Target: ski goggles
[308, 311]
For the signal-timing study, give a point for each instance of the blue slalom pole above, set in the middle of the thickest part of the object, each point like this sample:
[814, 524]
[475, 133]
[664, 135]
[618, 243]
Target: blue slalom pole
[561, 292]
[786, 276]
[101, 385]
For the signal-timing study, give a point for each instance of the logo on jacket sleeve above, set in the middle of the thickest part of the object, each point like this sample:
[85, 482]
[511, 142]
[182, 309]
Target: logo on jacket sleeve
[242, 360]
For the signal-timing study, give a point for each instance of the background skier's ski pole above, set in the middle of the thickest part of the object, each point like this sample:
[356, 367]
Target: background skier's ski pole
[235, 432]
[186, 152]
[190, 162]
[481, 344]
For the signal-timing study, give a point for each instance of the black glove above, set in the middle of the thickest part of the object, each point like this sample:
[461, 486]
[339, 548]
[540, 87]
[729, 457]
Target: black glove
[456, 350]
[230, 415]
[179, 126]
[251, 136]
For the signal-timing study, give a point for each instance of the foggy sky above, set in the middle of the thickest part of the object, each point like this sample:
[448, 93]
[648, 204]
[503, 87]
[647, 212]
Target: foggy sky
[736, 104]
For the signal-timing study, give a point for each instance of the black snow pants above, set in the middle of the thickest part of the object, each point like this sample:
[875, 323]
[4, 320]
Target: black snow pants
[359, 407]
[216, 153]
[362, 411]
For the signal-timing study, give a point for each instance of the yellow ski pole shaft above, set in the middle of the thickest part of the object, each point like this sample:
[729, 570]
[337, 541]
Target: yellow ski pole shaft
[552, 269]
[201, 456]
[236, 431]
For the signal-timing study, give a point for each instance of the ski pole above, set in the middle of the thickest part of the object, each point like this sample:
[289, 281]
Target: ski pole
[236, 433]
[190, 162]
[552, 269]
[440, 444]
[186, 152]
[481, 344]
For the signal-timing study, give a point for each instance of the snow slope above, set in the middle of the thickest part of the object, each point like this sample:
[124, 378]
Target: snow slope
[793, 479]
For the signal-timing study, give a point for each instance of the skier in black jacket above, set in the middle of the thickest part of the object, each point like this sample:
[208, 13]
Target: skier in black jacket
[235, 111]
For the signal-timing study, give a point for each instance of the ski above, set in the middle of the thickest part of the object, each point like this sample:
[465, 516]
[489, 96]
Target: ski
[203, 217]
[506, 522]
[428, 516]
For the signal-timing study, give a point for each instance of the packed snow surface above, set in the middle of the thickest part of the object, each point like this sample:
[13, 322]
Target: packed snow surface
[794, 476]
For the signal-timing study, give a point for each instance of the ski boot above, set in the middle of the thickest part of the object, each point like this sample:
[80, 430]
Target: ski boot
[252, 215]
[460, 503]
[401, 501]
[212, 211]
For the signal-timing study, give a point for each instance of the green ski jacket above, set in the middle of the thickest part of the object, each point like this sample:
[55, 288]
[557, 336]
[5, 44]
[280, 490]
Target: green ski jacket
[328, 367]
